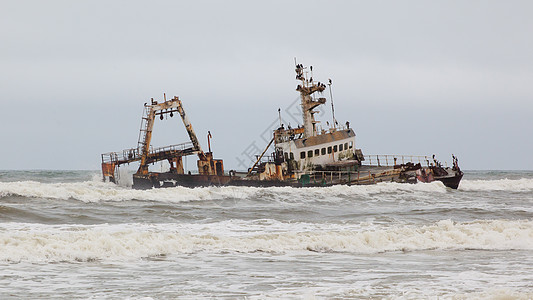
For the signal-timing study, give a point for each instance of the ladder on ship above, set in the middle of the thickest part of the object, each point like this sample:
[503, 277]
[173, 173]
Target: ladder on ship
[146, 128]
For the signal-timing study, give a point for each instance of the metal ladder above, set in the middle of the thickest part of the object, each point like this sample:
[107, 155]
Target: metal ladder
[141, 142]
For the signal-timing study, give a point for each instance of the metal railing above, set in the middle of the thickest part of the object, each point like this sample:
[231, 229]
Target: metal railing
[134, 154]
[321, 130]
[345, 177]
[177, 147]
[113, 157]
[390, 160]
[265, 158]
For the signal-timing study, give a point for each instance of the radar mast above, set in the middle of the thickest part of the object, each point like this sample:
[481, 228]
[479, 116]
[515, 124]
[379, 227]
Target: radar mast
[308, 102]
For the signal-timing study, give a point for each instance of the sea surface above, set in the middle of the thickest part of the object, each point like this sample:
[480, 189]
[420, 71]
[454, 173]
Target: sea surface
[67, 235]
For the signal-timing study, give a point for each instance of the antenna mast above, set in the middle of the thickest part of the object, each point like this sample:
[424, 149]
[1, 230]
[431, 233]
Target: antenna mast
[332, 107]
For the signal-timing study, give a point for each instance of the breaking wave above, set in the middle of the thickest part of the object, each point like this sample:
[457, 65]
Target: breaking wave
[511, 185]
[34, 242]
[95, 191]
[91, 191]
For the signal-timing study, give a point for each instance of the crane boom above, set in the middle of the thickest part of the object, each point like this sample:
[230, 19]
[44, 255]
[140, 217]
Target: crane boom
[188, 126]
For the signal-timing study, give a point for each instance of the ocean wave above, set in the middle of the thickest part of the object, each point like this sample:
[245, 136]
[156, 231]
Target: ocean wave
[91, 191]
[95, 191]
[36, 242]
[511, 185]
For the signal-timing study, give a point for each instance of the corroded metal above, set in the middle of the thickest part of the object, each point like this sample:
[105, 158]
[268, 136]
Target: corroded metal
[173, 154]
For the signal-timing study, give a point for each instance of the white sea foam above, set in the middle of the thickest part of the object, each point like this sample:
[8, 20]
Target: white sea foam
[494, 294]
[35, 242]
[95, 191]
[511, 185]
[363, 190]
[91, 191]
[414, 293]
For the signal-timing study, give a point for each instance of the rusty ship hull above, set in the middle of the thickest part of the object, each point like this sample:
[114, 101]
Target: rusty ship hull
[369, 176]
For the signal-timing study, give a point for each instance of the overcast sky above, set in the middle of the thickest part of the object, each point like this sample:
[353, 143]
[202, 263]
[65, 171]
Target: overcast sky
[412, 77]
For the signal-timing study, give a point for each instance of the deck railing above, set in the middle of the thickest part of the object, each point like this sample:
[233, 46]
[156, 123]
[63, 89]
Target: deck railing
[389, 160]
[177, 147]
[134, 154]
[344, 177]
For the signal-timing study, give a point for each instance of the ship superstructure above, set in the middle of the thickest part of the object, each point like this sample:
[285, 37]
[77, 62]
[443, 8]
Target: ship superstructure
[310, 147]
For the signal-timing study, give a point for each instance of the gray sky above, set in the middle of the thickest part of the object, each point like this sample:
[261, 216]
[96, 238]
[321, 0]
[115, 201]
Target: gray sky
[412, 77]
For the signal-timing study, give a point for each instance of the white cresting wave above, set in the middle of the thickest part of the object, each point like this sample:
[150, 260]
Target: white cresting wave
[511, 185]
[50, 243]
[92, 191]
[95, 191]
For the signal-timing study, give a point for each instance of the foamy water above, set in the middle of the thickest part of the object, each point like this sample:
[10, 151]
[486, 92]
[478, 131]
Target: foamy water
[68, 235]
[95, 190]
[39, 243]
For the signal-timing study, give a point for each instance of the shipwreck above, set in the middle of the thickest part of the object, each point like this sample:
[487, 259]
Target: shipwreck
[304, 156]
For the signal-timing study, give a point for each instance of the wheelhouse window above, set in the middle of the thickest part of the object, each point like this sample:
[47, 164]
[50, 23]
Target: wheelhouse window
[346, 146]
[351, 145]
[302, 154]
[329, 150]
[323, 151]
[340, 147]
[335, 148]
[317, 152]
[310, 153]
[291, 155]
[286, 156]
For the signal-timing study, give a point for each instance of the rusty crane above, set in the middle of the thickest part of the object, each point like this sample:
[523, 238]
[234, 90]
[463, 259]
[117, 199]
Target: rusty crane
[146, 155]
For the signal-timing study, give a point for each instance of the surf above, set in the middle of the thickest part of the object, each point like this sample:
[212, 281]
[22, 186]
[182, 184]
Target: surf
[49, 243]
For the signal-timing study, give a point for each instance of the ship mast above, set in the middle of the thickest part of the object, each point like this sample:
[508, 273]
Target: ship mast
[308, 102]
